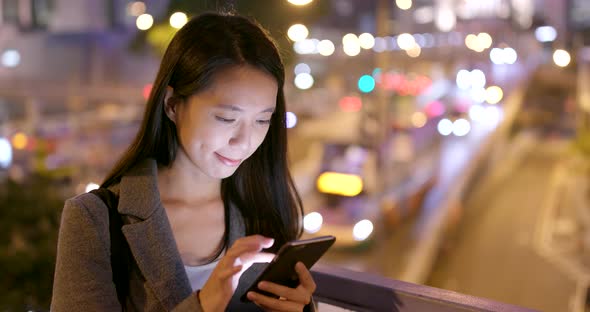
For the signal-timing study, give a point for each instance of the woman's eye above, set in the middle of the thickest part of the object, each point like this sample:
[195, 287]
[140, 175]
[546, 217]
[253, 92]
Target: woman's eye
[226, 120]
[264, 122]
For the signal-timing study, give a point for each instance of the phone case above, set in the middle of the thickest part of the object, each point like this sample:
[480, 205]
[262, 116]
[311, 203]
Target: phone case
[281, 270]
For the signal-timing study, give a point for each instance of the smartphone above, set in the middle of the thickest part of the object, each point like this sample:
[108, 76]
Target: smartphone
[281, 270]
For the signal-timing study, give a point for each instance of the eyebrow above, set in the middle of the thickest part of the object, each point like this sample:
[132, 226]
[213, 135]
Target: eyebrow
[238, 109]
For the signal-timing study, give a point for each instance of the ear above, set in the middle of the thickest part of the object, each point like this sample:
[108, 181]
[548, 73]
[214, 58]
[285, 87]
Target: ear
[170, 104]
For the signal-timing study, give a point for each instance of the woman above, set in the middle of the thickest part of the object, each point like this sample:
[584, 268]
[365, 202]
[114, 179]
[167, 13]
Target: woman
[203, 189]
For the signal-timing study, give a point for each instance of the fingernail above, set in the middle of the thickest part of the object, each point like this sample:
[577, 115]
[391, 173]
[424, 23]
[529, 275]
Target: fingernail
[262, 285]
[251, 295]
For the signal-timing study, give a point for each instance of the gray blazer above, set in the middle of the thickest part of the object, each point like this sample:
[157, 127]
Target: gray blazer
[158, 281]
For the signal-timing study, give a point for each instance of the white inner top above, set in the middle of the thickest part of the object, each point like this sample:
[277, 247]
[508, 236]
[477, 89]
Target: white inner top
[198, 275]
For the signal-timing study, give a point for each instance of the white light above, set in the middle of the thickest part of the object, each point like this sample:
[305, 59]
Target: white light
[404, 4]
[10, 58]
[478, 95]
[362, 230]
[492, 115]
[424, 15]
[510, 56]
[477, 113]
[302, 68]
[406, 41]
[91, 186]
[144, 21]
[478, 79]
[366, 41]
[178, 19]
[300, 2]
[461, 127]
[303, 81]
[561, 58]
[297, 32]
[352, 49]
[497, 56]
[5, 153]
[464, 79]
[445, 19]
[291, 120]
[415, 51]
[350, 39]
[545, 34]
[307, 46]
[326, 47]
[445, 127]
[380, 44]
[312, 222]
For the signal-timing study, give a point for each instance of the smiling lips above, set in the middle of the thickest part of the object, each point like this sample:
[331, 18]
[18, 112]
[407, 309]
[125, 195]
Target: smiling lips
[228, 161]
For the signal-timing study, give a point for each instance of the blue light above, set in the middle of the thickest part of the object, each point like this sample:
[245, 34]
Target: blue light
[366, 84]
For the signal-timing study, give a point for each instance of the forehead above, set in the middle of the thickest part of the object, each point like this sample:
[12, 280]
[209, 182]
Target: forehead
[244, 86]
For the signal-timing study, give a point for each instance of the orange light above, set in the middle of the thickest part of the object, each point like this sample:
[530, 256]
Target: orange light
[147, 89]
[19, 141]
[351, 103]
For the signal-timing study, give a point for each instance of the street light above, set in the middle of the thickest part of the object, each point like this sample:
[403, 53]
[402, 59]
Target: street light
[297, 32]
[561, 58]
[144, 21]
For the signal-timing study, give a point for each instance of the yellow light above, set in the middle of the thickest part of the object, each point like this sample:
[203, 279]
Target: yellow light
[471, 41]
[300, 2]
[19, 141]
[178, 19]
[297, 32]
[326, 47]
[561, 58]
[366, 41]
[414, 51]
[494, 94]
[144, 21]
[485, 40]
[419, 119]
[404, 4]
[340, 184]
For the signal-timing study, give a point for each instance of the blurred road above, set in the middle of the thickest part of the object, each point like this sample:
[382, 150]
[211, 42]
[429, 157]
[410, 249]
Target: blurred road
[493, 254]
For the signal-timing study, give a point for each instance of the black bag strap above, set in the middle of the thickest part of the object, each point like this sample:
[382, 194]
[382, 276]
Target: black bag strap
[120, 253]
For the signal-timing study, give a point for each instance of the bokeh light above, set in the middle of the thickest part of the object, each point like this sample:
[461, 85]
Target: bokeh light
[304, 81]
[19, 141]
[297, 32]
[326, 47]
[291, 119]
[144, 21]
[561, 58]
[300, 2]
[461, 127]
[178, 19]
[10, 58]
[302, 68]
[366, 83]
[494, 94]
[445, 127]
[362, 230]
[312, 222]
[366, 41]
[5, 153]
[419, 119]
[404, 4]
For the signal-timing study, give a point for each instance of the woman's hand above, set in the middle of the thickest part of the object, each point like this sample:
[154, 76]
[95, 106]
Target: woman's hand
[291, 299]
[219, 288]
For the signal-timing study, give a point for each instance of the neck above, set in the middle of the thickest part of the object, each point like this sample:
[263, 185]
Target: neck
[184, 183]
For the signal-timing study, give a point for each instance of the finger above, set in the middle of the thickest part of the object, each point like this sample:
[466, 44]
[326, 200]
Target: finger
[253, 243]
[305, 278]
[230, 272]
[300, 295]
[274, 304]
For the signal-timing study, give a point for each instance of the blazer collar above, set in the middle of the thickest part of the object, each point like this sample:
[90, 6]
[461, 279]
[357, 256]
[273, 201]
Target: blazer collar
[149, 235]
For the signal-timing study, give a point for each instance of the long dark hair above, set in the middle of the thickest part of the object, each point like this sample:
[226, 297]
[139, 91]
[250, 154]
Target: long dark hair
[261, 188]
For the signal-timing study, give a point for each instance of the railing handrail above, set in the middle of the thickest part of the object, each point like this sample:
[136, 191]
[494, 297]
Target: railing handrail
[368, 292]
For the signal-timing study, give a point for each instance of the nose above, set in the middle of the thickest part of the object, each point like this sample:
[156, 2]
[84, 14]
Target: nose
[241, 137]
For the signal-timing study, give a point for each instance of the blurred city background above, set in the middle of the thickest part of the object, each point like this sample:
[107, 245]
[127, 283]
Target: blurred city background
[444, 142]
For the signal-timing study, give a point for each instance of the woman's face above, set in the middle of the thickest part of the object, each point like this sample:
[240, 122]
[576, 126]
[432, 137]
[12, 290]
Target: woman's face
[223, 125]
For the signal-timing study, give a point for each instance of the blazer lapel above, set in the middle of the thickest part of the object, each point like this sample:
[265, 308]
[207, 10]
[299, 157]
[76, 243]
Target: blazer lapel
[150, 235]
